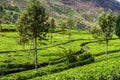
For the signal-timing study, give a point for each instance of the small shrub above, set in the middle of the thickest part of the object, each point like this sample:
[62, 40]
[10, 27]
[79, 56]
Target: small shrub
[84, 56]
[96, 33]
[70, 56]
[7, 61]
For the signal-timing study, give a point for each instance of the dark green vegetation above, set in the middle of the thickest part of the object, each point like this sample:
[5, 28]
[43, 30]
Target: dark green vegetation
[57, 49]
[16, 60]
[107, 23]
[33, 25]
[52, 58]
[18, 64]
[117, 26]
[9, 13]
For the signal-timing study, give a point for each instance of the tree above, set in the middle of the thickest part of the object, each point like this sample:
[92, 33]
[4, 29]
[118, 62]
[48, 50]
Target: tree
[0, 26]
[70, 25]
[51, 29]
[0, 22]
[63, 26]
[2, 9]
[32, 25]
[117, 26]
[106, 22]
[96, 32]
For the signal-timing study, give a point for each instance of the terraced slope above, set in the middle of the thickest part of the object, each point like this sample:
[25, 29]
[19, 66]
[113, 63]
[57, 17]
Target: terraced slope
[19, 64]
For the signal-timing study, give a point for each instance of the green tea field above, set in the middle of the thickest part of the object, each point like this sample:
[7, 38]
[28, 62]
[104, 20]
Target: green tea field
[59, 39]
[18, 64]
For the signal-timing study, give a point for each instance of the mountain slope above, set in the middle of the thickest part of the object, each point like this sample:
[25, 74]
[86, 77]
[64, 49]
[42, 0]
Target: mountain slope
[81, 9]
[109, 4]
[106, 4]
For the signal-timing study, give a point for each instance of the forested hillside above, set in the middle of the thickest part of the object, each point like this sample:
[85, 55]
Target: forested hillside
[80, 9]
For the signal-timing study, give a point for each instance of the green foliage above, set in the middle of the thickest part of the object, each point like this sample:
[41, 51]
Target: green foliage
[102, 68]
[107, 23]
[81, 59]
[85, 56]
[70, 24]
[62, 9]
[9, 13]
[2, 9]
[0, 25]
[96, 33]
[52, 26]
[33, 20]
[10, 17]
[81, 26]
[63, 26]
[70, 55]
[33, 25]
[22, 30]
[13, 8]
[117, 27]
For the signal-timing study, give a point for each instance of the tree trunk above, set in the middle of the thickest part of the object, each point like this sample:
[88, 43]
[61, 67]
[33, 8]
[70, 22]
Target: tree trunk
[106, 46]
[35, 54]
[29, 51]
[51, 38]
[23, 44]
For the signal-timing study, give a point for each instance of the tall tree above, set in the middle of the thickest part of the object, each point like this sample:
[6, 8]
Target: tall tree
[0, 22]
[107, 22]
[32, 25]
[70, 26]
[51, 29]
[0, 26]
[63, 26]
[117, 26]
[96, 32]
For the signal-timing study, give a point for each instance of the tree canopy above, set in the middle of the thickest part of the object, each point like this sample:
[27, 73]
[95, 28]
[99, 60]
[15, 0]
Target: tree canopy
[107, 23]
[117, 26]
[33, 25]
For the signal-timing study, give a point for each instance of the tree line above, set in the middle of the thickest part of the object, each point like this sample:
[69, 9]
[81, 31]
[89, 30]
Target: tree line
[108, 25]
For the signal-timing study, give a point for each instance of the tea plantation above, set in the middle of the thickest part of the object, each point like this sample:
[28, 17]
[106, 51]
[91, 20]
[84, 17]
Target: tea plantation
[80, 58]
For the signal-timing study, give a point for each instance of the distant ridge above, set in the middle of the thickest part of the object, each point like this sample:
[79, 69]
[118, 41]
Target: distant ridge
[85, 10]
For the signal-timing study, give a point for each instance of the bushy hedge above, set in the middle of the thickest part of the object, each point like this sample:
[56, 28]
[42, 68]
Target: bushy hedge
[84, 56]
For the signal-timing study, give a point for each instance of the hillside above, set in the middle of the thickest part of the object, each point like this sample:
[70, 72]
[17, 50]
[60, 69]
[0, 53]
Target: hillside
[105, 4]
[17, 64]
[75, 45]
[109, 4]
[81, 9]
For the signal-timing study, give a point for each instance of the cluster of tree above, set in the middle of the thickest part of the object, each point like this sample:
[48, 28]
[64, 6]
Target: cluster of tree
[108, 24]
[69, 25]
[2, 9]
[0, 22]
[117, 26]
[34, 24]
[9, 15]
